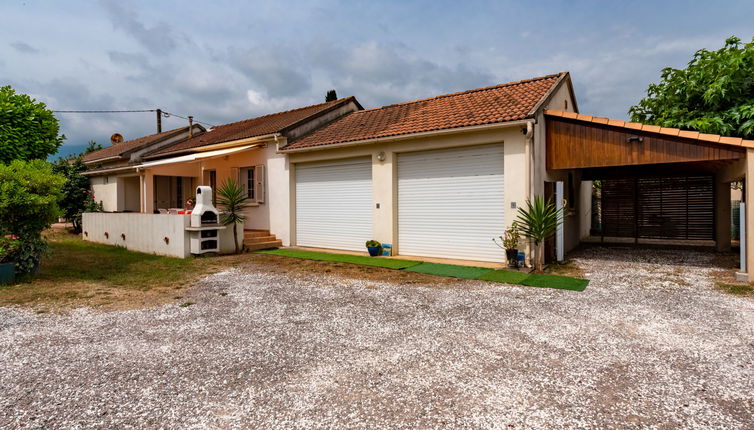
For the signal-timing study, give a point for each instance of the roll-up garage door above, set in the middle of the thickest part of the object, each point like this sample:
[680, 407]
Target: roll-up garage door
[450, 203]
[334, 204]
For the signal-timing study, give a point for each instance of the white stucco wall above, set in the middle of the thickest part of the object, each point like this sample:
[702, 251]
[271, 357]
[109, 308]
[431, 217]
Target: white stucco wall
[147, 232]
[105, 190]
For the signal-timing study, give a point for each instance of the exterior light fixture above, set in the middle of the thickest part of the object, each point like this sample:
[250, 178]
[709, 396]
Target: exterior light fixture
[381, 156]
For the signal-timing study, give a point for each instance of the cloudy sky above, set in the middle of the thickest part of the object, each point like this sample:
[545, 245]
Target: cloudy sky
[223, 61]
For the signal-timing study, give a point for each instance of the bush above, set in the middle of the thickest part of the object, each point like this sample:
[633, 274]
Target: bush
[9, 245]
[29, 195]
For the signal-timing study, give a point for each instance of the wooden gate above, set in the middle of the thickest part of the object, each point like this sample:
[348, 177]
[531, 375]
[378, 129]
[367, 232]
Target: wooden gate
[681, 208]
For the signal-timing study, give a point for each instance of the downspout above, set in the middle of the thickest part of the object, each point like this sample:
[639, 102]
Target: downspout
[530, 154]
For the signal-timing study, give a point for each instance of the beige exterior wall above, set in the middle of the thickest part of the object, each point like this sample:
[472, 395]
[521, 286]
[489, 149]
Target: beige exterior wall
[270, 213]
[116, 192]
[576, 223]
[385, 174]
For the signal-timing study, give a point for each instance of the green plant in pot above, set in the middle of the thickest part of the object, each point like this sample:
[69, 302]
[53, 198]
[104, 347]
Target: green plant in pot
[509, 242]
[9, 246]
[374, 248]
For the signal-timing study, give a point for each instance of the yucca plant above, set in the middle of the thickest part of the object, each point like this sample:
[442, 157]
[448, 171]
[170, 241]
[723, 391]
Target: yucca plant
[538, 222]
[232, 198]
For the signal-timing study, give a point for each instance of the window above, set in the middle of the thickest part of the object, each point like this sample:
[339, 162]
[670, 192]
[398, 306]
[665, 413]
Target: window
[247, 180]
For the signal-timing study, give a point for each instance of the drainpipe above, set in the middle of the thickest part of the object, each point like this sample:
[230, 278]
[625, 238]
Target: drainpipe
[530, 150]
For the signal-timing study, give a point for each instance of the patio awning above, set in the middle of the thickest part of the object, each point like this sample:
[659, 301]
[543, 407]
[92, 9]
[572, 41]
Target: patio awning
[198, 156]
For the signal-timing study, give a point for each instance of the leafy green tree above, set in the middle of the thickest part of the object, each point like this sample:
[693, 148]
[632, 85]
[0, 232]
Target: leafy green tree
[29, 195]
[76, 191]
[28, 130]
[232, 199]
[331, 96]
[538, 222]
[713, 94]
[92, 146]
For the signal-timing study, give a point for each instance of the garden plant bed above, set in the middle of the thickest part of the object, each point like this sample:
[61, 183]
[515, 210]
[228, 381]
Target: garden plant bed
[447, 270]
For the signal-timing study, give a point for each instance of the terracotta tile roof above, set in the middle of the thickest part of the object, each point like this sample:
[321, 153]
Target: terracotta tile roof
[689, 134]
[121, 149]
[259, 126]
[499, 103]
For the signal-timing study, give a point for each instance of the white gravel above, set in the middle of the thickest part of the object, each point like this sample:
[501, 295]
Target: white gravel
[647, 345]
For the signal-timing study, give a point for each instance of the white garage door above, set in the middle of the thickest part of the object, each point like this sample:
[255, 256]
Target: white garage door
[334, 204]
[450, 203]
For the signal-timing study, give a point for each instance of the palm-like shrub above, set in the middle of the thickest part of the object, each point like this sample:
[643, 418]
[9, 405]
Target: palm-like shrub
[232, 199]
[538, 222]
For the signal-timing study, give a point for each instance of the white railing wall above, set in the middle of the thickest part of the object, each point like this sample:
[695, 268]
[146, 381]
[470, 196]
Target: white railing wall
[160, 234]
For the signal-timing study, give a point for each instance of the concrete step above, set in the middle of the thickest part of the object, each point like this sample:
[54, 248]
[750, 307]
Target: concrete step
[256, 233]
[263, 245]
[260, 239]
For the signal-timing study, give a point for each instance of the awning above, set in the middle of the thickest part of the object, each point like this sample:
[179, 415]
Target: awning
[198, 156]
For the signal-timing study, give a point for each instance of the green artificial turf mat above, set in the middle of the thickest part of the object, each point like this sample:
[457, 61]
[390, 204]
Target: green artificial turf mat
[450, 270]
[555, 281]
[505, 276]
[387, 263]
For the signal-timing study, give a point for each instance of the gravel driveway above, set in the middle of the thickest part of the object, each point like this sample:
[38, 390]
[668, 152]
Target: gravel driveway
[647, 345]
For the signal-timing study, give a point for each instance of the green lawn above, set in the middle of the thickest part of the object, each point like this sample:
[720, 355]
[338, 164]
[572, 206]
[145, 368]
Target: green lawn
[448, 270]
[343, 258]
[79, 273]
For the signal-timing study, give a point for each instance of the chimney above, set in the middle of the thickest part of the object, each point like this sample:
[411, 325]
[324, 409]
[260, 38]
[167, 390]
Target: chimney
[191, 126]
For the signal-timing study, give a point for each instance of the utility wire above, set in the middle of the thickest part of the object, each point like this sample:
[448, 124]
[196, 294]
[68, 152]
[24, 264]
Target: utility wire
[105, 111]
[164, 113]
[186, 118]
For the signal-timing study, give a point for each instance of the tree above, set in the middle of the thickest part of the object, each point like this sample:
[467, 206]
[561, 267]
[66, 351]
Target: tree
[713, 94]
[538, 222]
[29, 195]
[28, 130]
[232, 198]
[331, 96]
[76, 192]
[91, 146]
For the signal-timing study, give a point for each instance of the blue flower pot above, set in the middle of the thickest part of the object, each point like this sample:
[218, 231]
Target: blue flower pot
[7, 273]
[374, 251]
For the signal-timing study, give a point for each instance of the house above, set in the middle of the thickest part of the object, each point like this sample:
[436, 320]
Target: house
[439, 177]
[113, 170]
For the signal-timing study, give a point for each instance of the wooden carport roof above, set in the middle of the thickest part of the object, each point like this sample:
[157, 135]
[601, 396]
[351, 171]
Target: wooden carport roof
[576, 141]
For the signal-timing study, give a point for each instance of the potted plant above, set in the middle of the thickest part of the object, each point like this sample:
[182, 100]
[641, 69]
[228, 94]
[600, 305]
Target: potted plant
[8, 247]
[374, 248]
[509, 242]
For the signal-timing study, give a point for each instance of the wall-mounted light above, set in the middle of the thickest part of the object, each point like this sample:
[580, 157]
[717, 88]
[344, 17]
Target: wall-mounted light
[381, 156]
[634, 138]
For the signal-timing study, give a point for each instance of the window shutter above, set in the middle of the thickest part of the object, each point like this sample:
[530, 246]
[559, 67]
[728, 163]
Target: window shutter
[259, 183]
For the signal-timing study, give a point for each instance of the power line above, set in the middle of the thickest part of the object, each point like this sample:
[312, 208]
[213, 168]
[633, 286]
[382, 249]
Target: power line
[186, 118]
[105, 111]
[164, 113]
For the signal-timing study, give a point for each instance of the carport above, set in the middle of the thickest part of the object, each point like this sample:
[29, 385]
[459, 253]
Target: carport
[658, 185]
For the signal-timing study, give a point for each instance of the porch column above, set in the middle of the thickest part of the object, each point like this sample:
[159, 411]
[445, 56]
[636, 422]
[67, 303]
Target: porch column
[146, 182]
[749, 199]
[722, 215]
